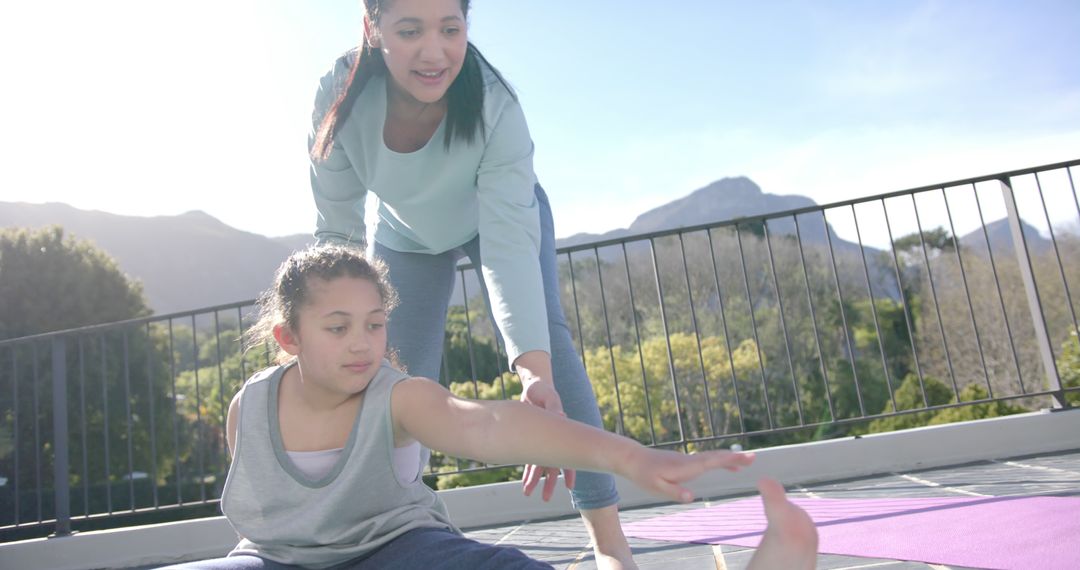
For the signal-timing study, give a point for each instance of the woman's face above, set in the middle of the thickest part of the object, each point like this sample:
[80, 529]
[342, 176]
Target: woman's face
[423, 43]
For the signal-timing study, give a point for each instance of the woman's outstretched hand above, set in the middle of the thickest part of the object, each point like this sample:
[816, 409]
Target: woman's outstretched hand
[542, 394]
[662, 473]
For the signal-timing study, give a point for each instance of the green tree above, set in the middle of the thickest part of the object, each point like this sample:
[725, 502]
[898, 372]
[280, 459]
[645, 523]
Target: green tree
[909, 396]
[203, 397]
[936, 240]
[970, 393]
[51, 282]
[115, 401]
[7, 442]
[469, 354]
[1069, 367]
[643, 407]
[122, 376]
[507, 386]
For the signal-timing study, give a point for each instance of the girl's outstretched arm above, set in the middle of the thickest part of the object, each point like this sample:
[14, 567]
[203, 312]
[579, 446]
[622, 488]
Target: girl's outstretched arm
[512, 432]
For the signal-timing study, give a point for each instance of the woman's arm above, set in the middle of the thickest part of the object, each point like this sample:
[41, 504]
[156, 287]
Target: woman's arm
[338, 191]
[508, 220]
[538, 389]
[339, 200]
[513, 432]
[537, 381]
[510, 241]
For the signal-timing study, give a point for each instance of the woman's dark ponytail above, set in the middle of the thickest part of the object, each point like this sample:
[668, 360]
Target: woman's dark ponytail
[465, 98]
[366, 62]
[465, 101]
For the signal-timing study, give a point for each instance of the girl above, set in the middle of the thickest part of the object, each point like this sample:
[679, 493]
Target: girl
[418, 117]
[328, 445]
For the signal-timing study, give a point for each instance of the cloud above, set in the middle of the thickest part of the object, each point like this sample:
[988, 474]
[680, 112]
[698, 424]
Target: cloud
[607, 190]
[853, 163]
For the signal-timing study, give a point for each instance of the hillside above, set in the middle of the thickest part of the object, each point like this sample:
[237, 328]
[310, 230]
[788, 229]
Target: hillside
[184, 262]
[193, 260]
[725, 199]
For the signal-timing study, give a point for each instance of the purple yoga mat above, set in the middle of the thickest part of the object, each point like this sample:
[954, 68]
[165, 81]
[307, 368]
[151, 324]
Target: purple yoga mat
[990, 532]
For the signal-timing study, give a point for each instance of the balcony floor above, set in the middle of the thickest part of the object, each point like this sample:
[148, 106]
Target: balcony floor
[564, 544]
[954, 456]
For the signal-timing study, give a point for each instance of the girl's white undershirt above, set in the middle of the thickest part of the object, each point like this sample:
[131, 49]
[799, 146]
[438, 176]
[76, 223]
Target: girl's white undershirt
[316, 464]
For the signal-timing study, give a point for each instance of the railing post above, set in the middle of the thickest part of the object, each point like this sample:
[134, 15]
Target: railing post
[1042, 334]
[62, 506]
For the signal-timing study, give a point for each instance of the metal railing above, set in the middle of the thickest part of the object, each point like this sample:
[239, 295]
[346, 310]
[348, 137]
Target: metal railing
[938, 303]
[135, 425]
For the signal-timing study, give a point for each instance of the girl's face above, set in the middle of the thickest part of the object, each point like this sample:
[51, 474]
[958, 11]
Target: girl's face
[423, 43]
[340, 337]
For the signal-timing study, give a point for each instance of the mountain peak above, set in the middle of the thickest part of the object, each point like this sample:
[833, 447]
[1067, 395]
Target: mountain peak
[738, 189]
[731, 187]
[724, 199]
[173, 266]
[195, 216]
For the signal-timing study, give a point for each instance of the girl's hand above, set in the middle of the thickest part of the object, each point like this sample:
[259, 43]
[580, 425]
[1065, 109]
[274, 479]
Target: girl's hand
[662, 472]
[541, 393]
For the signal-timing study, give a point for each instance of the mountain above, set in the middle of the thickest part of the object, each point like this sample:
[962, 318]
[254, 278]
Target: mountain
[184, 262]
[193, 260]
[739, 197]
[295, 242]
[1001, 239]
[725, 199]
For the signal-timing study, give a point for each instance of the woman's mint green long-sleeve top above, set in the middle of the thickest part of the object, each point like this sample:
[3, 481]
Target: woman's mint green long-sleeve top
[436, 199]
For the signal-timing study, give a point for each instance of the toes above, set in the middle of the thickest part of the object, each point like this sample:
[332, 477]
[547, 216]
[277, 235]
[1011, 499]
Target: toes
[772, 492]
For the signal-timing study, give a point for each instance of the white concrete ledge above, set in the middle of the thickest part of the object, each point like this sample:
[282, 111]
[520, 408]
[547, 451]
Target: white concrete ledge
[920, 448]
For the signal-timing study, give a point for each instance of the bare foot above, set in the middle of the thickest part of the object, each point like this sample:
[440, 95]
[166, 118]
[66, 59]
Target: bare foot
[605, 562]
[791, 540]
[610, 548]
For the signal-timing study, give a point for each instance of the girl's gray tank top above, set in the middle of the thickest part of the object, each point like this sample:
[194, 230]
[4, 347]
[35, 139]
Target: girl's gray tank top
[356, 508]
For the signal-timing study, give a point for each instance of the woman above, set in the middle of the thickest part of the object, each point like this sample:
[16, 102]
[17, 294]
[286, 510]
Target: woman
[419, 118]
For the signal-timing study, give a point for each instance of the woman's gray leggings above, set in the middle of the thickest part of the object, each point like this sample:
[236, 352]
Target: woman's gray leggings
[424, 284]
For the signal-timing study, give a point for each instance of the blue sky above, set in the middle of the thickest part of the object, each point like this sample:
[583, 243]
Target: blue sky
[145, 107]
